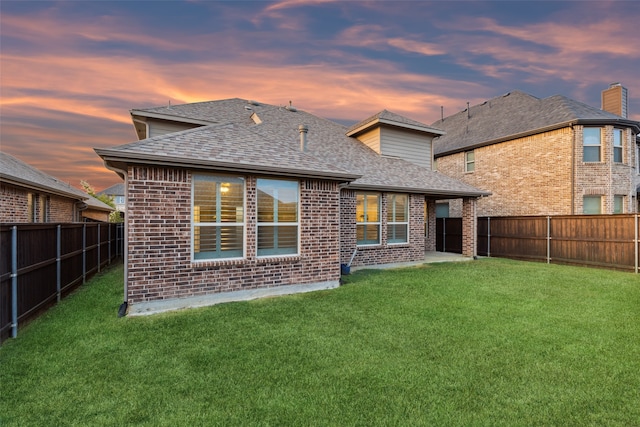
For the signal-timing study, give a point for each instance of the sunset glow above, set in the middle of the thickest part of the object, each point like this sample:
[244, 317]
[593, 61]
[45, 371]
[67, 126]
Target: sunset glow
[71, 71]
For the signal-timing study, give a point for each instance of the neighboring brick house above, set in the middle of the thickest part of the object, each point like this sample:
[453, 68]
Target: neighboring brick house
[29, 195]
[551, 156]
[235, 199]
[116, 191]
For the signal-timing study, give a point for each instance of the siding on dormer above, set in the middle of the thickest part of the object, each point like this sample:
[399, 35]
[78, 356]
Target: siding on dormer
[410, 146]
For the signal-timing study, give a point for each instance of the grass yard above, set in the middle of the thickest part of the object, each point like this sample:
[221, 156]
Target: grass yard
[485, 343]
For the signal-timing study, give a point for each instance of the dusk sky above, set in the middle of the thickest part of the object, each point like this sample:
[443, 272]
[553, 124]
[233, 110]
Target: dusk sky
[70, 71]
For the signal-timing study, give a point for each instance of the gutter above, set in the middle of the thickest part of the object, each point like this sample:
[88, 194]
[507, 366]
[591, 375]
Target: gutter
[570, 123]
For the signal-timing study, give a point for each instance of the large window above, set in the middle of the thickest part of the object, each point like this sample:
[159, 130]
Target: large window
[397, 218]
[469, 161]
[218, 217]
[277, 217]
[617, 145]
[368, 219]
[592, 205]
[591, 145]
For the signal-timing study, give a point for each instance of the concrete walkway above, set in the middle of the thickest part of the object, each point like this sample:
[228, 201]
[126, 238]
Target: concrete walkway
[429, 257]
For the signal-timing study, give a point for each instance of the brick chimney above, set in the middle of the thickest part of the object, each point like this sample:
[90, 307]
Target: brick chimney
[615, 100]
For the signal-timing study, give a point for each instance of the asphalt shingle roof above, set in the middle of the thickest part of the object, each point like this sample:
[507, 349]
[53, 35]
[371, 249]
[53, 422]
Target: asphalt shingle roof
[17, 172]
[511, 115]
[273, 144]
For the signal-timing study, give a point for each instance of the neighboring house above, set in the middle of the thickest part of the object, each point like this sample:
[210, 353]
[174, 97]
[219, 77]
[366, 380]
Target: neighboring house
[551, 156]
[30, 195]
[234, 199]
[116, 191]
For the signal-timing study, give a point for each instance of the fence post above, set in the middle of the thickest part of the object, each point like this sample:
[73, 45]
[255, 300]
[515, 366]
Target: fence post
[488, 236]
[99, 259]
[444, 234]
[58, 260]
[14, 281]
[636, 243]
[84, 253]
[548, 239]
[109, 243]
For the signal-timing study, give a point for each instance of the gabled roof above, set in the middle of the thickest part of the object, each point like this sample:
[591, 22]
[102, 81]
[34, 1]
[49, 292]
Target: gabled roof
[270, 143]
[386, 117]
[515, 115]
[16, 172]
[114, 190]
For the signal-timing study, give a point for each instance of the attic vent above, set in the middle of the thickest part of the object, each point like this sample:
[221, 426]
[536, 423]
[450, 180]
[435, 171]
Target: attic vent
[252, 102]
[246, 107]
[506, 94]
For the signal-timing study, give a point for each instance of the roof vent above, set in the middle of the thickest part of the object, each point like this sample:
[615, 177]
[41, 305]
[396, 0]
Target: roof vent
[303, 129]
[291, 107]
[252, 102]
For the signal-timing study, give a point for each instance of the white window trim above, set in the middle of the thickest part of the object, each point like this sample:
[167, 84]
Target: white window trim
[620, 147]
[467, 162]
[365, 222]
[278, 224]
[406, 223]
[219, 224]
[591, 145]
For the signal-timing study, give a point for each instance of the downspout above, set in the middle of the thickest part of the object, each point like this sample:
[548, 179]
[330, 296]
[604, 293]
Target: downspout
[122, 310]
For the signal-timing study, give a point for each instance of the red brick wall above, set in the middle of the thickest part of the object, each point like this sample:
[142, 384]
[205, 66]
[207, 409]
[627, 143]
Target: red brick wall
[61, 209]
[383, 253]
[160, 266]
[14, 206]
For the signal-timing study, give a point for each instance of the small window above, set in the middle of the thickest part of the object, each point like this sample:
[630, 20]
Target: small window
[592, 205]
[591, 145]
[368, 219]
[398, 218]
[618, 204]
[470, 161]
[442, 210]
[277, 217]
[217, 217]
[617, 145]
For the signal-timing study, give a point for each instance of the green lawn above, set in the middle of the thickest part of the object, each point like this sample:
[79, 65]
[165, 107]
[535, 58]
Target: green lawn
[487, 343]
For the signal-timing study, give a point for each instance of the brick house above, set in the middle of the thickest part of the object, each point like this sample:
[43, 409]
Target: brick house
[30, 195]
[551, 156]
[236, 199]
[116, 191]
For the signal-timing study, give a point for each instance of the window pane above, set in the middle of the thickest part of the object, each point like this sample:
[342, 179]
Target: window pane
[592, 205]
[591, 154]
[591, 136]
[442, 210]
[372, 208]
[277, 240]
[618, 204]
[617, 145]
[397, 209]
[397, 233]
[210, 242]
[359, 207]
[277, 200]
[368, 234]
[231, 202]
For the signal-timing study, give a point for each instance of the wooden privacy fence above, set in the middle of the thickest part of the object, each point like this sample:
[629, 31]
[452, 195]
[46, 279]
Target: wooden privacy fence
[609, 241]
[42, 263]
